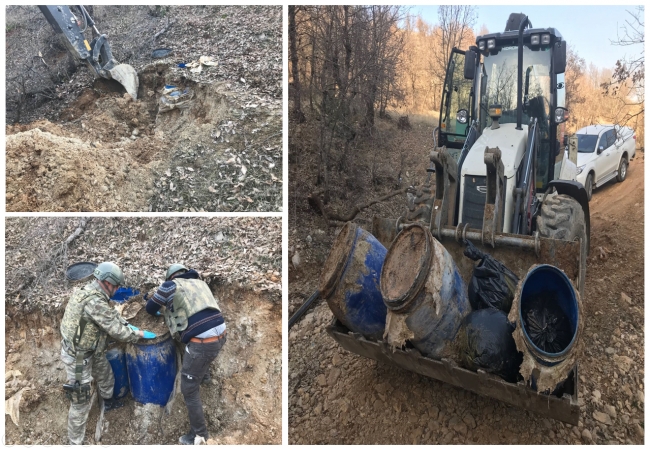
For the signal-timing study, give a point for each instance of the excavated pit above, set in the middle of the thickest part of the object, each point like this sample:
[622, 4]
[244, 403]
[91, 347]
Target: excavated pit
[242, 403]
[110, 153]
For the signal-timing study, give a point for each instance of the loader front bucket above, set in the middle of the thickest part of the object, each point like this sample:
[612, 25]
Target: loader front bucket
[517, 252]
[565, 409]
[127, 77]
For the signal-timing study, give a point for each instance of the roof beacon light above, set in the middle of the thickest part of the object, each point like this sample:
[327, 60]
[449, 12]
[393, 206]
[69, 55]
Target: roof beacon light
[481, 45]
[534, 39]
[546, 39]
[491, 44]
[495, 114]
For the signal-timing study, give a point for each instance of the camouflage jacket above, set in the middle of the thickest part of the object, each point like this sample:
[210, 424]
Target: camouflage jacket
[91, 303]
[191, 296]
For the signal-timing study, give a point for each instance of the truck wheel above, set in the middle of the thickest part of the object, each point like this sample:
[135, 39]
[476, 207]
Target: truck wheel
[622, 170]
[562, 218]
[589, 185]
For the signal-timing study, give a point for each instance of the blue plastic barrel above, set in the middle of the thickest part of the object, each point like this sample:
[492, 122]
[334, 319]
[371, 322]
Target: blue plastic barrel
[424, 292]
[116, 357]
[549, 314]
[124, 293]
[152, 371]
[349, 281]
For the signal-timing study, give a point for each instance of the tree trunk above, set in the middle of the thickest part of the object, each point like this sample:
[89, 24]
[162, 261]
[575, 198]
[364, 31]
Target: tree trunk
[297, 109]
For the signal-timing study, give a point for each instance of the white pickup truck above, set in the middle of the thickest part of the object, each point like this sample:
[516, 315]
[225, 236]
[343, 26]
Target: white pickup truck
[604, 152]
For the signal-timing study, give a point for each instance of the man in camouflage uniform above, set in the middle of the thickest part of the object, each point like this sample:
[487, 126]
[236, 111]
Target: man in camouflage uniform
[87, 321]
[193, 316]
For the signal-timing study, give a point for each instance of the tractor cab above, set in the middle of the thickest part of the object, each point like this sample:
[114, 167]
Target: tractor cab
[495, 94]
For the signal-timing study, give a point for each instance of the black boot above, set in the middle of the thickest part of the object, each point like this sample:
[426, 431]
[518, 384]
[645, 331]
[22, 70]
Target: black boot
[206, 379]
[110, 404]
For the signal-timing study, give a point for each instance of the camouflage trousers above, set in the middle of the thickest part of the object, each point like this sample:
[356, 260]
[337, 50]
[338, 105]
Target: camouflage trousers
[96, 367]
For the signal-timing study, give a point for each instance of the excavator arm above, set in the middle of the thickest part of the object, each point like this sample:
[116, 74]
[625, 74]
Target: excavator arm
[97, 53]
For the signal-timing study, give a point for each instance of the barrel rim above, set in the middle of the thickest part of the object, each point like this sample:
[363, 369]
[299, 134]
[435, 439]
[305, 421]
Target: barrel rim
[412, 292]
[70, 268]
[551, 358]
[346, 236]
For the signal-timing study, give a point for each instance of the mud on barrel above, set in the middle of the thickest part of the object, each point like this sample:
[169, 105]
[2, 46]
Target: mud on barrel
[349, 281]
[424, 292]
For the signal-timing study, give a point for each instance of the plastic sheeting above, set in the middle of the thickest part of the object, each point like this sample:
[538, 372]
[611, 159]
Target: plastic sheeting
[493, 284]
[485, 341]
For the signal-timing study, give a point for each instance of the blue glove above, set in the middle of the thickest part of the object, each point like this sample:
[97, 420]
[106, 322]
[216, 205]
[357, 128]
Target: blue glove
[149, 335]
[158, 313]
[133, 328]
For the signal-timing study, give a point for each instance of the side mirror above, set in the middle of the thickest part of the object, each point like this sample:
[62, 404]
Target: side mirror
[559, 57]
[565, 141]
[561, 115]
[470, 65]
[601, 149]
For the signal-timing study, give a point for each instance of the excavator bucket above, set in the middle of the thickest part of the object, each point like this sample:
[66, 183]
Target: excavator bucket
[127, 77]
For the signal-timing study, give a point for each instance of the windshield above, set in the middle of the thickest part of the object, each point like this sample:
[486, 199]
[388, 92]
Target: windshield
[500, 81]
[586, 143]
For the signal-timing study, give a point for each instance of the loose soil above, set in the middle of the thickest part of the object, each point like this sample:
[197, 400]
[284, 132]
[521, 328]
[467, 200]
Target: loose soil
[337, 397]
[243, 400]
[87, 146]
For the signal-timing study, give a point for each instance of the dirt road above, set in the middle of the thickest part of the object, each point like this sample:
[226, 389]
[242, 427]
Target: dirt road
[339, 397]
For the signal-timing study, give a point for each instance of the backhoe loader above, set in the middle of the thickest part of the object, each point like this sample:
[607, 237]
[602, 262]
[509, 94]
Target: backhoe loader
[504, 181]
[96, 53]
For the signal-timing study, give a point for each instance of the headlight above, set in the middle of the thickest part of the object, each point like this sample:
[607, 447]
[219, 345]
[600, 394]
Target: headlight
[491, 44]
[461, 116]
[481, 45]
[582, 167]
[546, 39]
[534, 39]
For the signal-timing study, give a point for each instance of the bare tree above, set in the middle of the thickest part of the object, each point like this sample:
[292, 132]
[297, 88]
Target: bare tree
[628, 80]
[573, 75]
[454, 28]
[296, 112]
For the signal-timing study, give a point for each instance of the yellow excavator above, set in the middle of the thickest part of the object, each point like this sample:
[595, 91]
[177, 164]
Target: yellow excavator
[96, 53]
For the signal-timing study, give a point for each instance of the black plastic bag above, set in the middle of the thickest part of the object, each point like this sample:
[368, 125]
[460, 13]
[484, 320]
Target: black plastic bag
[492, 284]
[546, 323]
[485, 341]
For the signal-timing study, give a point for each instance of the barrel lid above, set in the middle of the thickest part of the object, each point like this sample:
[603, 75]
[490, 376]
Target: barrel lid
[406, 266]
[80, 270]
[335, 262]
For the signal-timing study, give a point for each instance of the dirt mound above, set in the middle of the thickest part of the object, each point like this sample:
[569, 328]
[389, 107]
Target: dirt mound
[48, 172]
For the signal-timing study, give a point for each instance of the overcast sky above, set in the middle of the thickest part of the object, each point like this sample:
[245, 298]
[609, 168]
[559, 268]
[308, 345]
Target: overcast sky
[587, 29]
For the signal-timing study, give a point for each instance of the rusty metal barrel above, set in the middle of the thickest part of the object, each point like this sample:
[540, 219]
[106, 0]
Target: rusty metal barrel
[349, 281]
[424, 292]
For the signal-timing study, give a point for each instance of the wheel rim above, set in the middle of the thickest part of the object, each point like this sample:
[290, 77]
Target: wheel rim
[590, 186]
[623, 169]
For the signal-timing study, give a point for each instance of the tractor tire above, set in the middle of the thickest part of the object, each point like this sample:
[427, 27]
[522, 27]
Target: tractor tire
[622, 170]
[562, 218]
[589, 185]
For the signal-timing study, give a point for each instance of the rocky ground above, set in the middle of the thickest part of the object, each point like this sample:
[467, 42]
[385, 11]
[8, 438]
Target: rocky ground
[336, 397]
[241, 261]
[76, 143]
